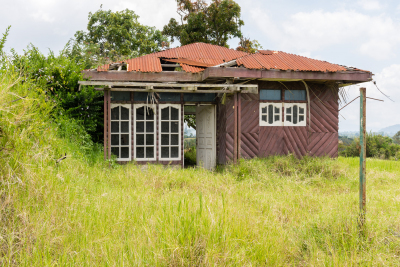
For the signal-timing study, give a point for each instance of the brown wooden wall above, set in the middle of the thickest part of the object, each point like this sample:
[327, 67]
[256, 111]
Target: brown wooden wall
[318, 139]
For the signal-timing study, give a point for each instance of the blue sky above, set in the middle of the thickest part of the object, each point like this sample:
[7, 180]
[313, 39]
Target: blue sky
[364, 34]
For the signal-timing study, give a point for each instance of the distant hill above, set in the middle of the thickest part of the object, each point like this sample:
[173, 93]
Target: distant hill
[391, 129]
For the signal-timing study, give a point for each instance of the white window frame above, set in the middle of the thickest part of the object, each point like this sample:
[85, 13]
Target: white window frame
[154, 108]
[299, 123]
[160, 107]
[128, 106]
[275, 105]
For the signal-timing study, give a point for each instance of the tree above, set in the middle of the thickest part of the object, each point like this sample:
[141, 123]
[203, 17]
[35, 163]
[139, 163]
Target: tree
[111, 35]
[215, 23]
[248, 46]
[396, 138]
[3, 39]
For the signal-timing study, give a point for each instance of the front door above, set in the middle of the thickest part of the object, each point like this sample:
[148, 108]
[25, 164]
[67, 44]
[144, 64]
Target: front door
[205, 137]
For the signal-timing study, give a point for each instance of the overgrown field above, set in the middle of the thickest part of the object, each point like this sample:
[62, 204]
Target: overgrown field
[262, 212]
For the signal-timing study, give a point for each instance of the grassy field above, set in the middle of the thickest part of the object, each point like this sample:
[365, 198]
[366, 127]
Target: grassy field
[261, 212]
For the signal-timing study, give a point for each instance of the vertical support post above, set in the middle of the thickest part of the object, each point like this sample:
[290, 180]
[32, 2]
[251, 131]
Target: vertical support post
[363, 154]
[109, 123]
[182, 133]
[235, 128]
[105, 125]
[239, 111]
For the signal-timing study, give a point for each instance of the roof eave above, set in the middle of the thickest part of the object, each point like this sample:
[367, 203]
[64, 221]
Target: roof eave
[217, 72]
[346, 76]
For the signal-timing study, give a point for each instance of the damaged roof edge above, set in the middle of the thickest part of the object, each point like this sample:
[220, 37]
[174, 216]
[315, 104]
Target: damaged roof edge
[217, 72]
[357, 76]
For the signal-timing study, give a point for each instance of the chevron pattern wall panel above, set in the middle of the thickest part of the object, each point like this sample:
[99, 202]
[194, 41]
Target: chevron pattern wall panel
[323, 136]
[295, 140]
[271, 141]
[320, 138]
[221, 134]
[249, 145]
[250, 114]
[229, 147]
[323, 144]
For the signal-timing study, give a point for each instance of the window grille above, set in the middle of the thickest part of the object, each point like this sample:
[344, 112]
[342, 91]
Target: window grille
[145, 132]
[295, 114]
[121, 131]
[170, 128]
[270, 114]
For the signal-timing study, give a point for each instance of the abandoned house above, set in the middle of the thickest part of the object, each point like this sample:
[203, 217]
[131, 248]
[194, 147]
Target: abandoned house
[246, 105]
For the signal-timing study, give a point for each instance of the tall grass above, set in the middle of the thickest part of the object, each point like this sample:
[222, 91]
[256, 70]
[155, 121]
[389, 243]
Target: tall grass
[260, 212]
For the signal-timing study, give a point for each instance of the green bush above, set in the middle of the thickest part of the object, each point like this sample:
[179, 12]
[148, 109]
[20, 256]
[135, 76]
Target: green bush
[57, 78]
[190, 156]
[378, 146]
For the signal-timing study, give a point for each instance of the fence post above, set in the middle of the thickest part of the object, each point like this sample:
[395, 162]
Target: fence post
[363, 154]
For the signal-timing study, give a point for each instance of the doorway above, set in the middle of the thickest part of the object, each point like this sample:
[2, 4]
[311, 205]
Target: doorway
[206, 155]
[200, 141]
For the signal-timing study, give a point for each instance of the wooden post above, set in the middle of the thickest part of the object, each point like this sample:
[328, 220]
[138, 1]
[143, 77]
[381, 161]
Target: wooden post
[109, 124]
[235, 128]
[105, 125]
[363, 154]
[239, 108]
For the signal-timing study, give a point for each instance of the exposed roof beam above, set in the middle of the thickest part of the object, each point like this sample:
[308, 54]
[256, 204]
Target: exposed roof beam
[357, 76]
[226, 64]
[182, 85]
[142, 76]
[217, 72]
[251, 90]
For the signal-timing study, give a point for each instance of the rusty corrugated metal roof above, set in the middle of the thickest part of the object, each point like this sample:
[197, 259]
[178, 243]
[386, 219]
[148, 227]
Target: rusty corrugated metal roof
[103, 68]
[267, 59]
[192, 69]
[198, 56]
[189, 62]
[146, 63]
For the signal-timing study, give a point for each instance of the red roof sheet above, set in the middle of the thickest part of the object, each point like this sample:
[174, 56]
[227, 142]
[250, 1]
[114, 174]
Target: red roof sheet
[189, 62]
[192, 69]
[266, 59]
[198, 56]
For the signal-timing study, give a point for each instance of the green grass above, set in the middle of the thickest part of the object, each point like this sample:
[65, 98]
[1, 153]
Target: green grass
[261, 212]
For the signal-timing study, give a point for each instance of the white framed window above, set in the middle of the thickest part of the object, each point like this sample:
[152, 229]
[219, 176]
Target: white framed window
[169, 133]
[121, 131]
[271, 114]
[295, 114]
[145, 132]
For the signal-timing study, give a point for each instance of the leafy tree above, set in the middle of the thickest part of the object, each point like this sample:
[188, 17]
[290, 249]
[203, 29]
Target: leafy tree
[248, 46]
[396, 138]
[215, 23]
[57, 78]
[3, 39]
[190, 121]
[378, 146]
[114, 34]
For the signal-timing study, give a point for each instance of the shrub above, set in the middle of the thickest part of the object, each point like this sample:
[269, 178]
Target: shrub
[190, 156]
[57, 78]
[378, 146]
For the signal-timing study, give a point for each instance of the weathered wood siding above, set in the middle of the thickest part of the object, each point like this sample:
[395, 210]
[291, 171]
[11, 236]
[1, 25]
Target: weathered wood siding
[318, 139]
[323, 136]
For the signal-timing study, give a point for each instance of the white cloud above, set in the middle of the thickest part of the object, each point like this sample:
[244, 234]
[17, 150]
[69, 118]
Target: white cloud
[374, 36]
[152, 12]
[42, 16]
[370, 4]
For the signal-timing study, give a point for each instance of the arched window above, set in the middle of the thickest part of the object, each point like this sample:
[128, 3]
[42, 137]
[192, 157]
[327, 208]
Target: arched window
[121, 131]
[170, 132]
[145, 132]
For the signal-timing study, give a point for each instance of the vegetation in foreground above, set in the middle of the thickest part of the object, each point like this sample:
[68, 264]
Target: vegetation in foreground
[378, 146]
[87, 212]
